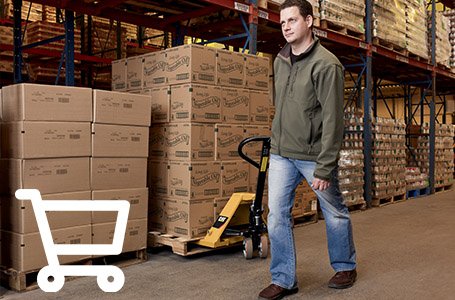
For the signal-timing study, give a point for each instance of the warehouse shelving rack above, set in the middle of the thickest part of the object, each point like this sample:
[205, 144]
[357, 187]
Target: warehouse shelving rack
[262, 33]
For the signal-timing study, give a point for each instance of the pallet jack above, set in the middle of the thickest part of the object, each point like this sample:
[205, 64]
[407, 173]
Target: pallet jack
[241, 219]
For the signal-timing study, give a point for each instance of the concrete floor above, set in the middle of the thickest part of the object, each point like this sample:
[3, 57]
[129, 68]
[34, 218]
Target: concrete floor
[405, 251]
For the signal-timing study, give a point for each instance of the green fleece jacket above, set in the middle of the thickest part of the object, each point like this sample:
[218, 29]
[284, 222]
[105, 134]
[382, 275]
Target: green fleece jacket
[308, 123]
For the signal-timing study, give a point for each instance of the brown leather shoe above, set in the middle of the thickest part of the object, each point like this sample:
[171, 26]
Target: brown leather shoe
[343, 279]
[275, 292]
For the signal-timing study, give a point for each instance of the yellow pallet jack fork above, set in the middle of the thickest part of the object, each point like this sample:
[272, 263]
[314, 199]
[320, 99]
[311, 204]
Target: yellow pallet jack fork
[254, 237]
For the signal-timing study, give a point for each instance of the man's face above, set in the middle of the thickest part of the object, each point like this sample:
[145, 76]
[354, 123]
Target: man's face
[293, 26]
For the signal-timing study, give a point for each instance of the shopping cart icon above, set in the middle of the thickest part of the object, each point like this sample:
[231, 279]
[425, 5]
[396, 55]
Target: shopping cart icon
[51, 278]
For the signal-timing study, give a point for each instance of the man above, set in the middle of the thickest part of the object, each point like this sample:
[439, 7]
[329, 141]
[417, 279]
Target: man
[307, 133]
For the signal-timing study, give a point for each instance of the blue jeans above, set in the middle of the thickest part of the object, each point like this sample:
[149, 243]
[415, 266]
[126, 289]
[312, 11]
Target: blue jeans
[284, 175]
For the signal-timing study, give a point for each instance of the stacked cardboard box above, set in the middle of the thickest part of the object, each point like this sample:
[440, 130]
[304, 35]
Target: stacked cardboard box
[305, 201]
[443, 46]
[389, 158]
[120, 133]
[204, 102]
[350, 165]
[45, 135]
[36, 10]
[416, 28]
[348, 14]
[389, 22]
[415, 179]
[450, 14]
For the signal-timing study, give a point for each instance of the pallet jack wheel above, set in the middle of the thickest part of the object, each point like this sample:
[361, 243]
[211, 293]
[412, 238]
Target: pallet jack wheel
[263, 247]
[248, 248]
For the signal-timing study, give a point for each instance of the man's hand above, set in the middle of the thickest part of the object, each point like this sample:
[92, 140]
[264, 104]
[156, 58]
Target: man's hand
[319, 184]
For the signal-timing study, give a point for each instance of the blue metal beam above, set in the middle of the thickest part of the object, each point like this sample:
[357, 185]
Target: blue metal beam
[253, 28]
[44, 42]
[69, 48]
[17, 41]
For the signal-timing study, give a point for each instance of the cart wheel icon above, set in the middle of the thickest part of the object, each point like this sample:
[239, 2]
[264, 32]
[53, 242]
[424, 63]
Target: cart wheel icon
[112, 280]
[50, 279]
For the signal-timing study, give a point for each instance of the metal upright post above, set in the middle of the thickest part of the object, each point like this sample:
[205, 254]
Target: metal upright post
[253, 26]
[119, 40]
[69, 48]
[17, 41]
[367, 107]
[433, 95]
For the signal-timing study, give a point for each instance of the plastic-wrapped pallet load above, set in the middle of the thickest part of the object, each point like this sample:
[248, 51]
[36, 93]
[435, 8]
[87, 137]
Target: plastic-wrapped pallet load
[415, 179]
[389, 160]
[349, 14]
[416, 28]
[350, 165]
[451, 17]
[389, 22]
[443, 47]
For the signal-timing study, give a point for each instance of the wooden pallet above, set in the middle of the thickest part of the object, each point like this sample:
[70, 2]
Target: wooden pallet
[391, 46]
[357, 207]
[417, 193]
[346, 30]
[417, 57]
[386, 200]
[22, 281]
[180, 245]
[305, 219]
[443, 188]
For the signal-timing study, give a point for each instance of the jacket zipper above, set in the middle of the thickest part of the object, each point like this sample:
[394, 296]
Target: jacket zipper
[281, 109]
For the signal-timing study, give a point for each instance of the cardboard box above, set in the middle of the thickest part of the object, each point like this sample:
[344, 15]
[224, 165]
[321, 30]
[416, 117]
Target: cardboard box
[235, 105]
[196, 103]
[154, 69]
[157, 141]
[25, 252]
[121, 108]
[135, 235]
[253, 180]
[157, 178]
[193, 141]
[230, 68]
[187, 218]
[259, 107]
[160, 98]
[228, 138]
[118, 173]
[45, 139]
[194, 180]
[37, 102]
[134, 72]
[138, 199]
[191, 63]
[234, 177]
[254, 149]
[119, 141]
[119, 75]
[49, 176]
[155, 217]
[18, 215]
[256, 72]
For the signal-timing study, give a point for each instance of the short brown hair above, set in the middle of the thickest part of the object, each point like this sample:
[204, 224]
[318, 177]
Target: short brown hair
[304, 6]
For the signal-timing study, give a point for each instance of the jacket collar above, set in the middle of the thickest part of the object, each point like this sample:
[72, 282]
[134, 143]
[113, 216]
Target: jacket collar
[285, 52]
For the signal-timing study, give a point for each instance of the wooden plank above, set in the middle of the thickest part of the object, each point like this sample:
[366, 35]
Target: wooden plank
[305, 219]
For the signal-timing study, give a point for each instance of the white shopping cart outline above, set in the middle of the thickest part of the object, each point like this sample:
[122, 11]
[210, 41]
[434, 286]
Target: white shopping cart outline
[57, 271]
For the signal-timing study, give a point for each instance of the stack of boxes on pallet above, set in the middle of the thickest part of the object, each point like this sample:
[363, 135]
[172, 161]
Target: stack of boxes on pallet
[36, 10]
[415, 180]
[6, 57]
[389, 22]
[49, 143]
[443, 46]
[389, 158]
[348, 14]
[416, 28]
[350, 165]
[450, 14]
[204, 102]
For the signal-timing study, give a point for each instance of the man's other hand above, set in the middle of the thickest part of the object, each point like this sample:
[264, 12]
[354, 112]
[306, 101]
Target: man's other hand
[319, 184]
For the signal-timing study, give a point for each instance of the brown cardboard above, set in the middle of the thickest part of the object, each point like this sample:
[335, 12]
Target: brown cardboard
[157, 141]
[253, 180]
[254, 149]
[25, 252]
[118, 173]
[119, 141]
[191, 63]
[160, 99]
[45, 139]
[18, 215]
[135, 234]
[49, 176]
[134, 73]
[259, 107]
[155, 217]
[138, 199]
[37, 102]
[154, 69]
[235, 105]
[228, 138]
[230, 68]
[194, 180]
[121, 108]
[188, 218]
[119, 75]
[234, 177]
[193, 141]
[195, 103]
[256, 72]
[157, 178]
